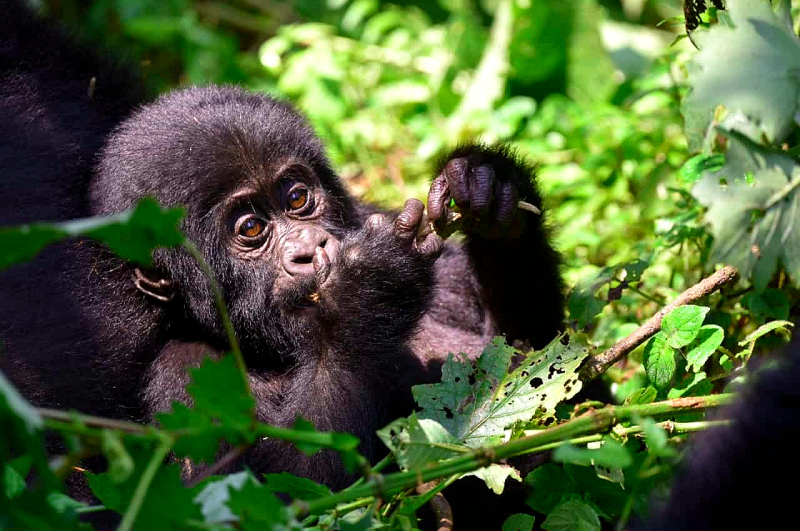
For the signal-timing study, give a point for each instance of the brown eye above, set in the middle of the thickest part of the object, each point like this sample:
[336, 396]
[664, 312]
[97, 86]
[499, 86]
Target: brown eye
[297, 198]
[251, 227]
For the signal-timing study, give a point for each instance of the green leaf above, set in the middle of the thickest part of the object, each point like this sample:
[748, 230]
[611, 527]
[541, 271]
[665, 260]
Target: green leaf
[691, 385]
[295, 487]
[132, 234]
[476, 403]
[519, 522]
[416, 442]
[656, 437]
[12, 404]
[495, 476]
[213, 498]
[659, 361]
[644, 395]
[583, 305]
[694, 168]
[258, 508]
[749, 66]
[754, 225]
[705, 344]
[572, 515]
[771, 303]
[610, 454]
[12, 482]
[681, 326]
[761, 331]
[553, 484]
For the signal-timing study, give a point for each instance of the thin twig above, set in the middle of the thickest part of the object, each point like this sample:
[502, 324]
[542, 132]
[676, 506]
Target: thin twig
[598, 364]
[230, 456]
[439, 505]
[149, 473]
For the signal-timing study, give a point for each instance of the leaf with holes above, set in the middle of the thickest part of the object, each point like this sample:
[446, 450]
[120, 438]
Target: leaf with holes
[476, 403]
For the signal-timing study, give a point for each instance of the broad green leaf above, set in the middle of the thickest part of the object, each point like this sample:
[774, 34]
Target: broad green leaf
[696, 384]
[12, 482]
[705, 344]
[572, 515]
[476, 403]
[552, 484]
[416, 442]
[659, 361]
[610, 454]
[754, 225]
[519, 522]
[132, 234]
[681, 326]
[750, 66]
[583, 305]
[495, 476]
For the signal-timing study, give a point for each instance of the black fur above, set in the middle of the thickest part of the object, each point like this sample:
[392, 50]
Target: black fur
[740, 476]
[79, 334]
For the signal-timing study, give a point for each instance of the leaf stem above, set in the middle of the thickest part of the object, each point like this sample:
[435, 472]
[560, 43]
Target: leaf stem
[595, 421]
[223, 309]
[149, 473]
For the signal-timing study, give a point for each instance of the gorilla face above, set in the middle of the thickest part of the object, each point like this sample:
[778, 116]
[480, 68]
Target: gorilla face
[263, 206]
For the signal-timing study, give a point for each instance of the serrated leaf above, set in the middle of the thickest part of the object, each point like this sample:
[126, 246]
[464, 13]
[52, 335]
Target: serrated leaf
[495, 476]
[659, 361]
[705, 344]
[257, 508]
[476, 403]
[610, 454]
[416, 442]
[572, 515]
[751, 66]
[681, 326]
[519, 522]
[754, 225]
[213, 499]
[132, 234]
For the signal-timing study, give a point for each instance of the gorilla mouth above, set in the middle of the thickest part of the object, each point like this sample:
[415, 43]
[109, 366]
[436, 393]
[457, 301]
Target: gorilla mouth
[298, 293]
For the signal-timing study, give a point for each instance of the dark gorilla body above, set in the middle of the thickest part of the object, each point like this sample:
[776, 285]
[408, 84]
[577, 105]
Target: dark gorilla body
[339, 308]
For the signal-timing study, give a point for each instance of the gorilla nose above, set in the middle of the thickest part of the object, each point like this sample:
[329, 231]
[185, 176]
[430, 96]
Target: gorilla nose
[299, 248]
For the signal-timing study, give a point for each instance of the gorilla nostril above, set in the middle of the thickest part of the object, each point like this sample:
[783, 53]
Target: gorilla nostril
[303, 259]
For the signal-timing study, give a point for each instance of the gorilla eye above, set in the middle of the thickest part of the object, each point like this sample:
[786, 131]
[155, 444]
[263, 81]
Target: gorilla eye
[250, 226]
[297, 198]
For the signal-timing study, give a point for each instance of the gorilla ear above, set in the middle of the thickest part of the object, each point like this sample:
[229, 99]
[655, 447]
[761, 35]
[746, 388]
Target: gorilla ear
[152, 284]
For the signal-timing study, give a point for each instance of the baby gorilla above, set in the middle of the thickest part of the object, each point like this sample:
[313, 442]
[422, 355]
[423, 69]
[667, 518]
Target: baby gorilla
[339, 308]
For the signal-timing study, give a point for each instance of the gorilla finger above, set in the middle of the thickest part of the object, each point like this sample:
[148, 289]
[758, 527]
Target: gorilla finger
[322, 265]
[407, 222]
[431, 246]
[457, 172]
[374, 222]
[438, 198]
[506, 198]
[481, 188]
